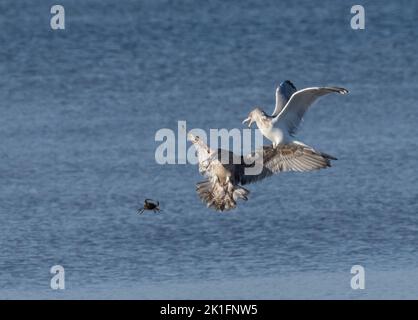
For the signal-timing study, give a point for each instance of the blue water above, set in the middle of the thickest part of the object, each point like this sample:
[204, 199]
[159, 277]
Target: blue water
[79, 109]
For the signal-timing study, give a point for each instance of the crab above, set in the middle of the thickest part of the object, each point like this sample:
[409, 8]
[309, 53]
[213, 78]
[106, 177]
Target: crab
[150, 204]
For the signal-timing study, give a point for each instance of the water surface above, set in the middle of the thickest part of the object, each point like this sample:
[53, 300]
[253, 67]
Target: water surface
[80, 108]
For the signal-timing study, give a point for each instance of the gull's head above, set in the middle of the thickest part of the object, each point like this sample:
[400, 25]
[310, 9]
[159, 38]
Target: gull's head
[196, 140]
[252, 116]
[192, 138]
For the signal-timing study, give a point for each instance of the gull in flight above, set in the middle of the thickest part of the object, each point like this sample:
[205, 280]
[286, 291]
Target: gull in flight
[224, 179]
[283, 93]
[282, 125]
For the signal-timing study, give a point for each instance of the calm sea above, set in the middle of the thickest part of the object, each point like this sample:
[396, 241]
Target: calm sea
[79, 109]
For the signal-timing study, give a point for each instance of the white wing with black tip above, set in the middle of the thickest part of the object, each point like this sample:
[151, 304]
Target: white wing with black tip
[292, 114]
[283, 93]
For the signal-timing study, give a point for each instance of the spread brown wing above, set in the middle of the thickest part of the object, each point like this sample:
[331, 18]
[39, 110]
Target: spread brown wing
[283, 158]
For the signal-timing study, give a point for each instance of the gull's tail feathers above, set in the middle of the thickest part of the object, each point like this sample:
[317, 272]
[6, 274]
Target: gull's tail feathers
[220, 196]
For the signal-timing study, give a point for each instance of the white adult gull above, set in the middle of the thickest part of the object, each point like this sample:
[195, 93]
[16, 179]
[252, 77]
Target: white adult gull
[283, 93]
[222, 187]
[283, 124]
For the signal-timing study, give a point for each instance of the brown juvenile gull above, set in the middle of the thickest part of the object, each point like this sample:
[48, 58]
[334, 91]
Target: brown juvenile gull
[281, 128]
[222, 187]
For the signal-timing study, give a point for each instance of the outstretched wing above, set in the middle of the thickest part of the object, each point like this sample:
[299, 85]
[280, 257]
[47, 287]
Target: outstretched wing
[293, 112]
[289, 157]
[283, 93]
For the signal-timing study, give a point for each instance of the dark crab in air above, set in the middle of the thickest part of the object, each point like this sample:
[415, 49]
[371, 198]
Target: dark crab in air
[150, 204]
